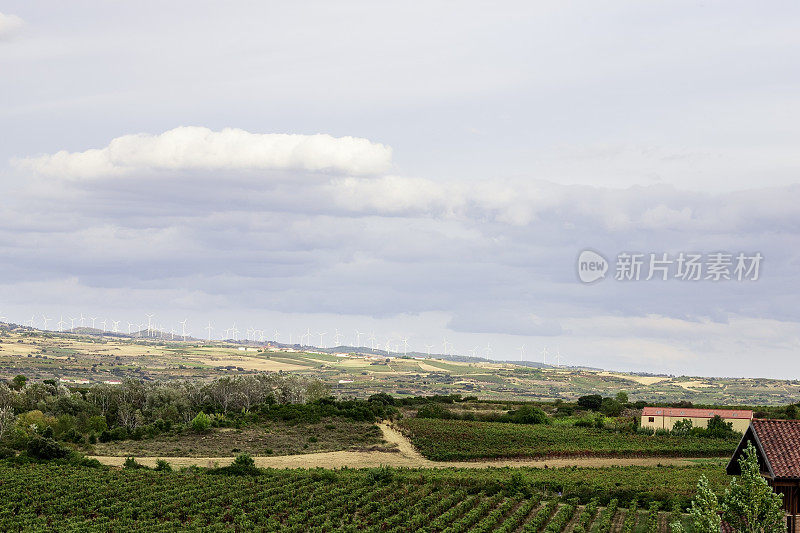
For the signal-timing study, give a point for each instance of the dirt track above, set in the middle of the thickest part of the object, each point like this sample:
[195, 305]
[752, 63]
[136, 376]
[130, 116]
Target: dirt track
[406, 456]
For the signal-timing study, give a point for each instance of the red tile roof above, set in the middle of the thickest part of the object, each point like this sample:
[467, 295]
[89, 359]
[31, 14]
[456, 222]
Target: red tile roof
[697, 413]
[780, 441]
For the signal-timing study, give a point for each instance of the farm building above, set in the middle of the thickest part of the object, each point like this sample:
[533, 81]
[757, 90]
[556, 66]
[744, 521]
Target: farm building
[665, 417]
[777, 443]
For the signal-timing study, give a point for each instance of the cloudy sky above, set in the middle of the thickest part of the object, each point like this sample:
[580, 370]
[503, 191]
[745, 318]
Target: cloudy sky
[427, 172]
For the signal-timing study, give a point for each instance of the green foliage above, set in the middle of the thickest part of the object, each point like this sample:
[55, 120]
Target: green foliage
[527, 414]
[46, 448]
[611, 407]
[591, 402]
[705, 509]
[382, 474]
[243, 465]
[201, 423]
[622, 397]
[750, 505]
[163, 466]
[131, 464]
[631, 517]
[682, 427]
[18, 383]
[718, 428]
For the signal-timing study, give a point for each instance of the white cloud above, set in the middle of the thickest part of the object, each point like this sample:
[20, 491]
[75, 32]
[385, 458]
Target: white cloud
[9, 24]
[197, 148]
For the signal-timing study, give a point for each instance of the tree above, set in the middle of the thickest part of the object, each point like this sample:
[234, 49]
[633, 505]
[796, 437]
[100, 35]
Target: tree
[682, 427]
[750, 505]
[718, 428]
[201, 423]
[591, 402]
[18, 382]
[705, 509]
[622, 397]
[611, 407]
[6, 421]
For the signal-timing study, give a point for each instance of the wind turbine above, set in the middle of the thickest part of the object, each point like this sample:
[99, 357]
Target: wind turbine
[234, 331]
[130, 326]
[308, 335]
[209, 328]
[488, 350]
[82, 318]
[358, 338]
[72, 323]
[32, 321]
[444, 344]
[522, 352]
[61, 323]
[388, 346]
[45, 319]
[558, 356]
[183, 327]
[372, 341]
[429, 346]
[149, 324]
[275, 335]
[115, 326]
[405, 345]
[544, 355]
[93, 318]
[336, 338]
[321, 338]
[103, 322]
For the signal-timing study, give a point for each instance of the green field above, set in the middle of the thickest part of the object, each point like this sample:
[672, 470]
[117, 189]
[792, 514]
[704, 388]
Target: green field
[458, 440]
[47, 497]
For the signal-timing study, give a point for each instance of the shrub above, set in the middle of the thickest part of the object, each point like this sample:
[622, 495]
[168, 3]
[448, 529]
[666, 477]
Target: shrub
[382, 474]
[46, 448]
[434, 410]
[131, 464]
[163, 466]
[592, 402]
[527, 415]
[682, 427]
[5, 453]
[201, 423]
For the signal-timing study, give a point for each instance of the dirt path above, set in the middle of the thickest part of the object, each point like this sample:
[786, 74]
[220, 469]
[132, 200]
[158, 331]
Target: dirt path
[406, 456]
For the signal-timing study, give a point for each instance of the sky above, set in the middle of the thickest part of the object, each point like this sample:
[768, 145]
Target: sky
[428, 172]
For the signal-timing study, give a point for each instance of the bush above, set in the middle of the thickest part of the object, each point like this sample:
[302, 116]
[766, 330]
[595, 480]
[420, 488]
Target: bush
[527, 415]
[592, 402]
[382, 474]
[682, 427]
[131, 464]
[5, 453]
[46, 448]
[201, 423]
[434, 410]
[163, 466]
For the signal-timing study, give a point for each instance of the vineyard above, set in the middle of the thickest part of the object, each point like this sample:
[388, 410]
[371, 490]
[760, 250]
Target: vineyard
[62, 497]
[459, 440]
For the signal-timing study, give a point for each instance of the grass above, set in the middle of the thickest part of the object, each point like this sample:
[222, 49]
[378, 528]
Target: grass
[274, 438]
[453, 440]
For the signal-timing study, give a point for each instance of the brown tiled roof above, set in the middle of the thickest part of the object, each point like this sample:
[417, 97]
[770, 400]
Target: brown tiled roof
[696, 413]
[780, 441]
